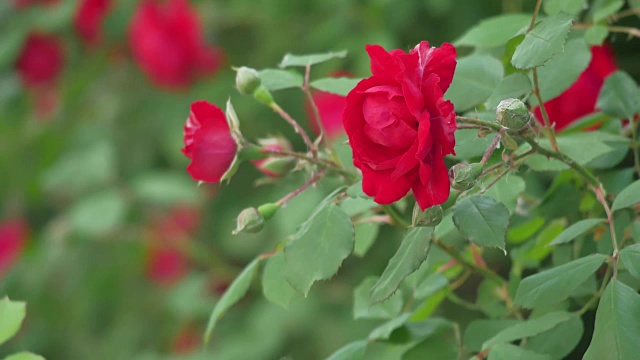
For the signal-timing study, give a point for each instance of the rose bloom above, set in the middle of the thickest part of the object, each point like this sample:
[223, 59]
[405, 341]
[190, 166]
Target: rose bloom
[580, 99]
[208, 142]
[89, 18]
[400, 127]
[167, 42]
[13, 236]
[40, 61]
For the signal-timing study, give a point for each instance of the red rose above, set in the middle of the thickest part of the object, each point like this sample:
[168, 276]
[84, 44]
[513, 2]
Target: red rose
[167, 42]
[400, 127]
[89, 17]
[208, 142]
[580, 99]
[41, 60]
[13, 236]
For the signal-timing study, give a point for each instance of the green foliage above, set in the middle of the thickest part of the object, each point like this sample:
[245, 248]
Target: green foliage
[573, 7]
[509, 351]
[576, 230]
[24, 356]
[308, 60]
[351, 351]
[630, 257]
[482, 220]
[340, 86]
[528, 328]
[276, 79]
[274, 285]
[474, 81]
[627, 197]
[12, 313]
[543, 42]
[494, 31]
[620, 96]
[364, 308]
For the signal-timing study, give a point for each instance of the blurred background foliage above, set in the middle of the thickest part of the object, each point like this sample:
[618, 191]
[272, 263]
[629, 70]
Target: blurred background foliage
[100, 182]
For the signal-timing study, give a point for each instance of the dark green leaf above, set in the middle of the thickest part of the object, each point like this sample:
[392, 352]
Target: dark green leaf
[596, 35]
[482, 220]
[511, 352]
[494, 31]
[572, 7]
[630, 257]
[627, 197]
[234, 293]
[362, 308]
[513, 86]
[619, 96]
[576, 230]
[475, 79]
[275, 79]
[617, 329]
[481, 330]
[312, 59]
[383, 331]
[506, 190]
[412, 253]
[440, 346]
[528, 328]
[12, 314]
[559, 341]
[274, 285]
[544, 41]
[351, 351]
[556, 284]
[340, 86]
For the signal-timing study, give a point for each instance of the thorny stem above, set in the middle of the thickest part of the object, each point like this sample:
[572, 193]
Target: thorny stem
[495, 181]
[483, 123]
[298, 129]
[315, 178]
[623, 14]
[545, 116]
[318, 161]
[600, 195]
[512, 160]
[535, 15]
[565, 159]
[631, 31]
[491, 148]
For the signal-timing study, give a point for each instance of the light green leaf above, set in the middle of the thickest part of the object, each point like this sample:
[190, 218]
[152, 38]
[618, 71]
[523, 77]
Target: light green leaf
[544, 41]
[556, 284]
[234, 293]
[12, 313]
[482, 220]
[506, 190]
[166, 188]
[351, 351]
[366, 234]
[319, 247]
[627, 197]
[494, 31]
[97, 214]
[339, 86]
[576, 230]
[312, 59]
[475, 79]
[630, 257]
[602, 9]
[596, 35]
[430, 285]
[362, 308]
[528, 328]
[24, 356]
[572, 7]
[469, 145]
[274, 285]
[524, 231]
[515, 85]
[510, 352]
[383, 331]
[276, 79]
[481, 330]
[559, 341]
[441, 345]
[617, 329]
[619, 96]
[411, 254]
[355, 191]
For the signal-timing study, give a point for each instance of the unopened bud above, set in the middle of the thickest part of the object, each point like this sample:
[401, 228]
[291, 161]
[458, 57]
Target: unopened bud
[247, 80]
[263, 95]
[431, 216]
[274, 167]
[249, 221]
[513, 114]
[464, 176]
[268, 210]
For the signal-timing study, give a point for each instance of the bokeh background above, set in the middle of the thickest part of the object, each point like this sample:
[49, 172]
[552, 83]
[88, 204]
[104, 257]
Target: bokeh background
[118, 253]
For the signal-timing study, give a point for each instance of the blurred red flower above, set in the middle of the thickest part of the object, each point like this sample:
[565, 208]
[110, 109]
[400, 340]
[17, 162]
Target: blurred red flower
[208, 142]
[88, 20]
[167, 42]
[330, 107]
[580, 99]
[13, 237]
[187, 341]
[41, 60]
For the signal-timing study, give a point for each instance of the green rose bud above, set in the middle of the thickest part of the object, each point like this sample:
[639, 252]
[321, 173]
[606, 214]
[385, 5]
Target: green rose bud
[268, 210]
[430, 217]
[464, 176]
[513, 114]
[249, 221]
[247, 80]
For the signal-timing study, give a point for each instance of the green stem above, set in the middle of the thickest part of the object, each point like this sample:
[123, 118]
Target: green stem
[473, 121]
[545, 116]
[535, 15]
[298, 129]
[395, 216]
[485, 272]
[596, 296]
[314, 179]
[328, 164]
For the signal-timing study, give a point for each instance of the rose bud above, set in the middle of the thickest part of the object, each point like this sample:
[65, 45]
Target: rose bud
[464, 176]
[89, 18]
[208, 143]
[274, 166]
[432, 216]
[513, 115]
[263, 95]
[13, 237]
[247, 80]
[268, 210]
[399, 125]
[249, 221]
[41, 60]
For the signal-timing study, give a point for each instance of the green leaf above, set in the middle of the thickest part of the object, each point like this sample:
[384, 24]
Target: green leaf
[619, 96]
[469, 145]
[24, 356]
[312, 59]
[596, 35]
[383, 331]
[366, 234]
[411, 254]
[351, 351]
[617, 329]
[97, 214]
[556, 284]
[562, 70]
[355, 191]
[627, 197]
[234, 293]
[515, 85]
[482, 220]
[166, 188]
[319, 247]
[506, 190]
[572, 7]
[494, 31]
[441, 345]
[339, 86]
[430, 285]
[559, 341]
[276, 79]
[510, 352]
[481, 330]
[576, 230]
[630, 257]
[362, 308]
[12, 39]
[528, 328]
[544, 41]
[12, 313]
[475, 79]
[602, 9]
[274, 285]
[524, 231]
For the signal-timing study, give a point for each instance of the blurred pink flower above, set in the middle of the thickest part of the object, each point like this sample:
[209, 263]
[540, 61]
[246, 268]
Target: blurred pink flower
[167, 41]
[13, 237]
[41, 60]
[89, 18]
